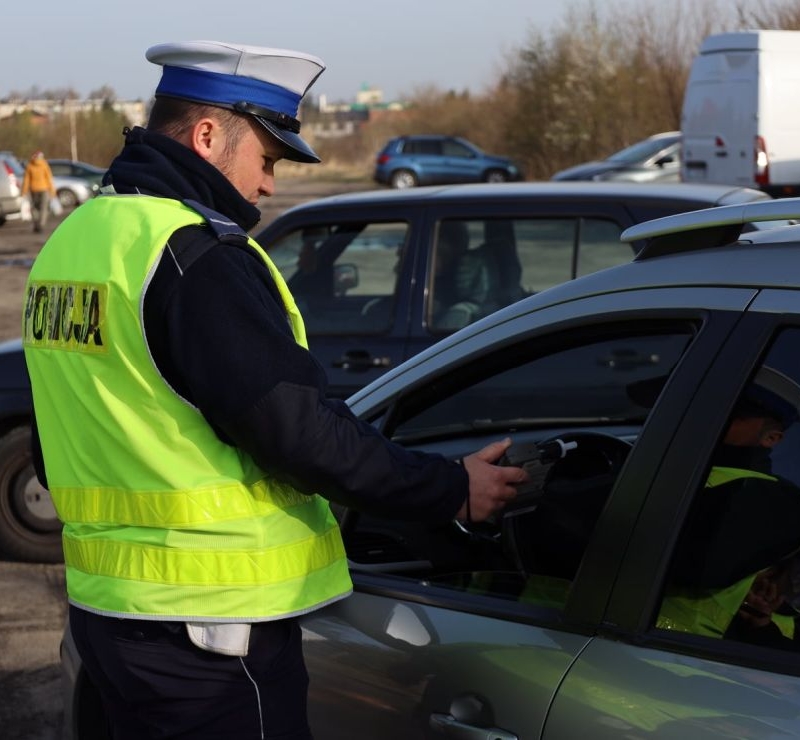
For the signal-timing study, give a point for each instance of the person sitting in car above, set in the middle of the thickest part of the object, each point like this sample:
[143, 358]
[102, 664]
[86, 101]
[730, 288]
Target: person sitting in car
[743, 527]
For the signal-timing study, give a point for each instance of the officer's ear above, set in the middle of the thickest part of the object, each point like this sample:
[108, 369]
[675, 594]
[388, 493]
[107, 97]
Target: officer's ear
[771, 434]
[204, 138]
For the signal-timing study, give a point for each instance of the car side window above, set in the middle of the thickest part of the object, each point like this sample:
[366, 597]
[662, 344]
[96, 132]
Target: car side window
[453, 148]
[735, 571]
[574, 400]
[553, 250]
[423, 146]
[600, 246]
[479, 266]
[343, 277]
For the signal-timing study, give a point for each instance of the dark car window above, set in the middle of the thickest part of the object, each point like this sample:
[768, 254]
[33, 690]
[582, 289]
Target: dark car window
[600, 246]
[641, 151]
[423, 146]
[594, 391]
[453, 148]
[60, 169]
[343, 276]
[735, 572]
[479, 266]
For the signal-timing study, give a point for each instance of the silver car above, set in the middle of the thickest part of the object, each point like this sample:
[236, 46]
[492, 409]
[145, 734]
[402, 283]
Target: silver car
[654, 159]
[616, 389]
[10, 188]
[70, 189]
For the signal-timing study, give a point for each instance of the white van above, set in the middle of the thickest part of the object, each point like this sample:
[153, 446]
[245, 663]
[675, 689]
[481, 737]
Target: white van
[741, 112]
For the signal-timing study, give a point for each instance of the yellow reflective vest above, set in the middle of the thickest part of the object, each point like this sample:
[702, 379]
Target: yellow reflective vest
[161, 518]
[710, 611]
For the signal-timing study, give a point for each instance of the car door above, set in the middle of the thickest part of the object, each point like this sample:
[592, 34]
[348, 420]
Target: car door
[351, 277]
[469, 632]
[460, 162]
[679, 682]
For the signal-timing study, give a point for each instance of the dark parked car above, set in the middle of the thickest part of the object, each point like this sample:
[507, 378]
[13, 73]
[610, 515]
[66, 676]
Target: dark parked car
[381, 275]
[75, 168]
[547, 622]
[656, 158]
[409, 161]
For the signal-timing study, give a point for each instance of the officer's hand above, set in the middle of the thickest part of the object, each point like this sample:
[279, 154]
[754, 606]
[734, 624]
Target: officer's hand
[491, 487]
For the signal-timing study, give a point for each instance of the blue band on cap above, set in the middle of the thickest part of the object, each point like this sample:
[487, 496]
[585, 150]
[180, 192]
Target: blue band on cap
[223, 89]
[772, 404]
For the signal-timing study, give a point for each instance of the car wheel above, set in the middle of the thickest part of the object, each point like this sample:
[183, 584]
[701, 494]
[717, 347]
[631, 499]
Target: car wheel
[68, 198]
[495, 176]
[2, 220]
[29, 528]
[403, 179]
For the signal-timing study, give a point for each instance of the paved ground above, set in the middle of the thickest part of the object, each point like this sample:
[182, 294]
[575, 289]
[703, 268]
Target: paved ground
[32, 603]
[32, 609]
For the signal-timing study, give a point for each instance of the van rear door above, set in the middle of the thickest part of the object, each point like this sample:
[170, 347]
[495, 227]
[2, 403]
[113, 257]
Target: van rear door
[719, 119]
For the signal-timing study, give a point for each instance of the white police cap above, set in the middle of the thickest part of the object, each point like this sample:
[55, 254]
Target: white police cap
[775, 393]
[265, 83]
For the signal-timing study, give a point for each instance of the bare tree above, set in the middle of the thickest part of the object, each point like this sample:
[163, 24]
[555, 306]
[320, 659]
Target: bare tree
[604, 77]
[104, 92]
[775, 14]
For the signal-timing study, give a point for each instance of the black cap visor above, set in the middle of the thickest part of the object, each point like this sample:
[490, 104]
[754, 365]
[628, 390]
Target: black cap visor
[296, 149]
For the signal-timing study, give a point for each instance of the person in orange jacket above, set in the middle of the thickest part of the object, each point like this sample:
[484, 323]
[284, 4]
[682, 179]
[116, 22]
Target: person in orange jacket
[38, 185]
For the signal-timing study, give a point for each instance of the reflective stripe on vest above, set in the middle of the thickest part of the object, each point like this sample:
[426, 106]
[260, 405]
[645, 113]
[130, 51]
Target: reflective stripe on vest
[709, 611]
[160, 517]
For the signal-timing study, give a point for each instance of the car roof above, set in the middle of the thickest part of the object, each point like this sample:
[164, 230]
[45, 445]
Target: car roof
[78, 162]
[584, 190]
[676, 135]
[426, 136]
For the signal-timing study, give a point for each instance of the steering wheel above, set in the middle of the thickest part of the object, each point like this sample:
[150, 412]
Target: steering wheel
[549, 533]
[596, 454]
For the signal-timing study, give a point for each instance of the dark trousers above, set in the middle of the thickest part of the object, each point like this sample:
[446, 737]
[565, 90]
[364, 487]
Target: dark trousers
[40, 205]
[155, 683]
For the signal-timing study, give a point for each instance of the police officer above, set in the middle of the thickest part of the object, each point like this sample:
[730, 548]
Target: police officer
[182, 426]
[743, 526]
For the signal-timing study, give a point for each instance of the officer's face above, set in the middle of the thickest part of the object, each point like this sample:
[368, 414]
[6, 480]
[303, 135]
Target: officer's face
[250, 164]
[753, 432]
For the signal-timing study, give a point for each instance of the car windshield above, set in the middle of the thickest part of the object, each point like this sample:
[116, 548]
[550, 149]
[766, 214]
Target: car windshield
[640, 151]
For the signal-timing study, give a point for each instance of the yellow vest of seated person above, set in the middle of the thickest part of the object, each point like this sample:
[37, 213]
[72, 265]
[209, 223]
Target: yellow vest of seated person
[710, 611]
[161, 518]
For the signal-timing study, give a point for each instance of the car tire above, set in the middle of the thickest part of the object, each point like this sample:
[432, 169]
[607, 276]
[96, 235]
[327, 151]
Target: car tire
[29, 529]
[402, 179]
[68, 198]
[495, 176]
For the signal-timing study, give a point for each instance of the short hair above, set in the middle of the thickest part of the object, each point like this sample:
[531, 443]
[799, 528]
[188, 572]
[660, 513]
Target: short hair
[747, 408]
[173, 117]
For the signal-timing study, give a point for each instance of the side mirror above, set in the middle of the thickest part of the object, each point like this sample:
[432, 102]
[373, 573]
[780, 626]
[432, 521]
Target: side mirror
[345, 277]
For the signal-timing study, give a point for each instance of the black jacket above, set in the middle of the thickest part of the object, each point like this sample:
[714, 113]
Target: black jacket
[219, 335]
[738, 528]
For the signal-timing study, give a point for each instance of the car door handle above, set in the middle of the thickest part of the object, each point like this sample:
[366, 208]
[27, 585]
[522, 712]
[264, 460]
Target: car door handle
[449, 726]
[360, 359]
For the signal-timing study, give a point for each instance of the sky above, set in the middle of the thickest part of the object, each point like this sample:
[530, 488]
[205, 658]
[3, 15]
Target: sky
[398, 46]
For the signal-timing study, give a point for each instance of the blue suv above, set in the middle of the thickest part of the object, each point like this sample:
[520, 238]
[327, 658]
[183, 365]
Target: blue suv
[408, 161]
